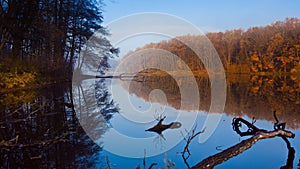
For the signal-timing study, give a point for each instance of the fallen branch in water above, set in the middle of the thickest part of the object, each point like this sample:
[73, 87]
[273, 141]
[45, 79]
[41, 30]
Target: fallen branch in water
[291, 155]
[223, 156]
[185, 154]
[257, 134]
[160, 127]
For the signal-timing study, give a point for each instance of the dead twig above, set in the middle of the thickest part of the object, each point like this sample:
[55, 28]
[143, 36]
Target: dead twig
[185, 154]
[107, 162]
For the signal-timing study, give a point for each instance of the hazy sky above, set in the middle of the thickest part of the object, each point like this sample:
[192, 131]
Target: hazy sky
[209, 15]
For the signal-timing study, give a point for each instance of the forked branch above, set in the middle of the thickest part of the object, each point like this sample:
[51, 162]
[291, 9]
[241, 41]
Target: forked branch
[185, 154]
[257, 134]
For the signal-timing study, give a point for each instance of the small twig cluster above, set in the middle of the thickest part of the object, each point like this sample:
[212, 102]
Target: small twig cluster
[185, 154]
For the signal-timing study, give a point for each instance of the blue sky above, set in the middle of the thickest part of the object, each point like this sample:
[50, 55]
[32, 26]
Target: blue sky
[209, 15]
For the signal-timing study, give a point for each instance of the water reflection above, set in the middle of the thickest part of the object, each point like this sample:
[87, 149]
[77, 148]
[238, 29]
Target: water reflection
[39, 129]
[93, 107]
[252, 96]
[248, 97]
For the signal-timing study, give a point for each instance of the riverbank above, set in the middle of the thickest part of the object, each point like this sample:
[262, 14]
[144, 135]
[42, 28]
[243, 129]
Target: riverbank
[38, 84]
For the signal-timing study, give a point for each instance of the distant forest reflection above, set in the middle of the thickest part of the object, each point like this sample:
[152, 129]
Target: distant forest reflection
[247, 95]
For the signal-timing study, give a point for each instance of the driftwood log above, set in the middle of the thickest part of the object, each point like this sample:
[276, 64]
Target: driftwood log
[257, 134]
[160, 127]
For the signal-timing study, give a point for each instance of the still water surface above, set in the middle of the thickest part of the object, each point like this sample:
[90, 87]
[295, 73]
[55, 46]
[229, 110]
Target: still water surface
[46, 127]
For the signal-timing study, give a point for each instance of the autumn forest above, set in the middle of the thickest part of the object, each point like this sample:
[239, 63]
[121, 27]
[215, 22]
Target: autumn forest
[272, 49]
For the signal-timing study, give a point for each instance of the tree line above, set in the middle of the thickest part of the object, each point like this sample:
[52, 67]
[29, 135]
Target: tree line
[273, 48]
[46, 36]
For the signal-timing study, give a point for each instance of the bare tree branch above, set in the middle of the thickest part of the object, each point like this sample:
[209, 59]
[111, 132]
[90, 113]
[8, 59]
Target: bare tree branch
[257, 134]
[223, 156]
[185, 154]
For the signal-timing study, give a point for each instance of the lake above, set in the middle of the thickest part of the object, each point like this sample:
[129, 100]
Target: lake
[101, 123]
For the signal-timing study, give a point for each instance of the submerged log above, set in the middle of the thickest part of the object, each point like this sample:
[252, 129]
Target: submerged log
[256, 135]
[159, 127]
[223, 156]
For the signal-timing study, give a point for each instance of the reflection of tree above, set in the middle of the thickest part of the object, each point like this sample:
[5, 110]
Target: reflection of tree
[246, 95]
[106, 105]
[11, 99]
[45, 133]
[94, 107]
[256, 95]
[171, 88]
